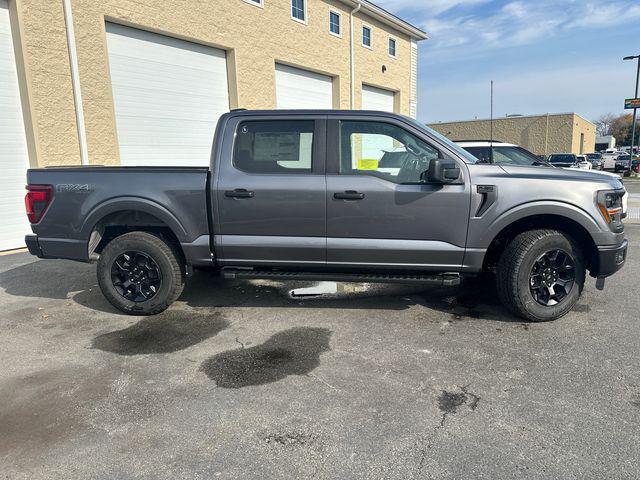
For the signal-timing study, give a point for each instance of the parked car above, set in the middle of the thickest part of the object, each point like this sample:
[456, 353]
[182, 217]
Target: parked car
[582, 162]
[300, 195]
[563, 159]
[487, 151]
[623, 164]
[635, 164]
[609, 158]
[596, 160]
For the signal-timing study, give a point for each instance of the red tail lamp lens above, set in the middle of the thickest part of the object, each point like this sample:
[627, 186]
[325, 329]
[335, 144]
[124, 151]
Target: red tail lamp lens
[37, 200]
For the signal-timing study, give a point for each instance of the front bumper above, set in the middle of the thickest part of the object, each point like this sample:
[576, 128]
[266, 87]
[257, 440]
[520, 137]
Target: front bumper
[611, 259]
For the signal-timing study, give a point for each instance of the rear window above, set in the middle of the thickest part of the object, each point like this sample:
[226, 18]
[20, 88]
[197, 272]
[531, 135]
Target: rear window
[284, 146]
[562, 159]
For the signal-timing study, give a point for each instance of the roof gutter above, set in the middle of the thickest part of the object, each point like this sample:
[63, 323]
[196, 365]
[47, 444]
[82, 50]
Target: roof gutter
[388, 18]
[351, 56]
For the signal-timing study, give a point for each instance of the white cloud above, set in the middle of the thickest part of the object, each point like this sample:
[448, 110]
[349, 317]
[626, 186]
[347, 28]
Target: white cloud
[516, 23]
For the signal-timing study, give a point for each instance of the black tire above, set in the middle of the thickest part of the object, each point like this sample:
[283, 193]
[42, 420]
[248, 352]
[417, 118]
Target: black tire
[515, 269]
[166, 260]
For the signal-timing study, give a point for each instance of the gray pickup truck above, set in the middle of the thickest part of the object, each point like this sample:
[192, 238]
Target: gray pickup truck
[304, 195]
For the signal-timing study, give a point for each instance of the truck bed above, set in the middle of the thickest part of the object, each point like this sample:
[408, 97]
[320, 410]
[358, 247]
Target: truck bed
[85, 199]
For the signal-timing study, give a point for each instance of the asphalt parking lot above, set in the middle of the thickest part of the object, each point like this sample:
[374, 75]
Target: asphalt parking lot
[238, 380]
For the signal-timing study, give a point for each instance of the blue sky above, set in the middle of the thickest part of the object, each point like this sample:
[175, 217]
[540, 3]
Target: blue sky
[543, 55]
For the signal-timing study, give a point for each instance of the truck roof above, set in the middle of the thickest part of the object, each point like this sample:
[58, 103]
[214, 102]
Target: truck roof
[244, 112]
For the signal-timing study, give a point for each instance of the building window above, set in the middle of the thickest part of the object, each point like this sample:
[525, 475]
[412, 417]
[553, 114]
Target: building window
[334, 23]
[298, 10]
[392, 47]
[279, 146]
[366, 36]
[257, 3]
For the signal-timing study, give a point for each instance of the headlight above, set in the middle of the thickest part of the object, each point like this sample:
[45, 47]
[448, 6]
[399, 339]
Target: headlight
[610, 204]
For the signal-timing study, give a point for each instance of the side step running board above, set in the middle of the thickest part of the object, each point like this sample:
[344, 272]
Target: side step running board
[445, 279]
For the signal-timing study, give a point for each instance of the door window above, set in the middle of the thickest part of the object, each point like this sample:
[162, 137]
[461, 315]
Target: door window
[274, 147]
[383, 150]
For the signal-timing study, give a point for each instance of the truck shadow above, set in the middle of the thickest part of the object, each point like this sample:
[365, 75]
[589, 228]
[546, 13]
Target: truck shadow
[57, 279]
[167, 332]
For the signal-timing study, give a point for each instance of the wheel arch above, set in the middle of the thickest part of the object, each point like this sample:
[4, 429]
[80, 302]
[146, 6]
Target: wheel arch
[113, 218]
[565, 224]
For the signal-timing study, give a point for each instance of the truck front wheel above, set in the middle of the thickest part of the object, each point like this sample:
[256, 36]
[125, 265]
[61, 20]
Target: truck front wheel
[140, 274]
[540, 275]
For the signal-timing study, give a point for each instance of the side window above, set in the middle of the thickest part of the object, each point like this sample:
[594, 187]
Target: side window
[383, 150]
[274, 147]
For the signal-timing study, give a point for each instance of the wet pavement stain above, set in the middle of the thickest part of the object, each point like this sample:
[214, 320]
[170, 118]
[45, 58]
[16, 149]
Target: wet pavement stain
[449, 402]
[292, 352]
[164, 333]
[290, 439]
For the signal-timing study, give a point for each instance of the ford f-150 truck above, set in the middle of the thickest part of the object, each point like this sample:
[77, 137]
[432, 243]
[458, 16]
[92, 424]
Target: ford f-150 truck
[303, 195]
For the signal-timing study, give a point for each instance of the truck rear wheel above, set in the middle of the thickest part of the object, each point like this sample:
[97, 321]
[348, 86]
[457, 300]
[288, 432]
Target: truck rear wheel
[140, 274]
[540, 275]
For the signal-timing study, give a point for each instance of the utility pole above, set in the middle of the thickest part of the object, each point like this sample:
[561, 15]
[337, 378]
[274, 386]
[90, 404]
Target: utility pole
[491, 128]
[633, 124]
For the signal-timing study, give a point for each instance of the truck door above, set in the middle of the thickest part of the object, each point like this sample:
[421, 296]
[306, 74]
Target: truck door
[270, 192]
[381, 217]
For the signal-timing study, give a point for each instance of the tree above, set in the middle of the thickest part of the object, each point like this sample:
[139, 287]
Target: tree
[603, 124]
[621, 129]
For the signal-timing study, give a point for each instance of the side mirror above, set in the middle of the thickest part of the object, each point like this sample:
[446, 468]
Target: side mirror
[442, 171]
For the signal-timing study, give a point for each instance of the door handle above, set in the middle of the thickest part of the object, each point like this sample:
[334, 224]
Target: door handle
[238, 193]
[348, 195]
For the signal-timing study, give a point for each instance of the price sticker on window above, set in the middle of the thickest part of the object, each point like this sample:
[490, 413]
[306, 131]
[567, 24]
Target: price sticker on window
[367, 164]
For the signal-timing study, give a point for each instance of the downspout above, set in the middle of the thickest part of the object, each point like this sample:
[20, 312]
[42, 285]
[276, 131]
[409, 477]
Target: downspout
[75, 81]
[351, 55]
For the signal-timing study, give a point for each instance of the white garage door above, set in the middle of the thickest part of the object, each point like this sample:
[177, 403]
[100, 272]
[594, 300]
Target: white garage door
[168, 95]
[297, 88]
[14, 160]
[377, 99]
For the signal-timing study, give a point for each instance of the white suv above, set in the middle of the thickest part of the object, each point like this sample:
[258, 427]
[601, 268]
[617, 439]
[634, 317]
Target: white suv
[499, 152]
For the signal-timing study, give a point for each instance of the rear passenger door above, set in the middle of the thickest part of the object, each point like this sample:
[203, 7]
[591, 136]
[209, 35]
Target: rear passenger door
[271, 191]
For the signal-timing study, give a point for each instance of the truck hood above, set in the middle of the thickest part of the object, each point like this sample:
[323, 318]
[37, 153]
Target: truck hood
[566, 174]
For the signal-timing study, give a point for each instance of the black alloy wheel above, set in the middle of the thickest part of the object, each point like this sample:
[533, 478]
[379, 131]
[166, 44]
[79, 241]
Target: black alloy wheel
[136, 276]
[552, 277]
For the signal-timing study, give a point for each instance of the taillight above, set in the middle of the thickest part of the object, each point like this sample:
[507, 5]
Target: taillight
[37, 200]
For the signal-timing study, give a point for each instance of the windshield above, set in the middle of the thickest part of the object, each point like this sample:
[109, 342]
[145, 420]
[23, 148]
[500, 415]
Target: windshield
[515, 156]
[459, 150]
[594, 156]
[511, 155]
[562, 159]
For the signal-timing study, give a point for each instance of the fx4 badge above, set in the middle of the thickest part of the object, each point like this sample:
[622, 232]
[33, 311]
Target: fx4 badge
[73, 187]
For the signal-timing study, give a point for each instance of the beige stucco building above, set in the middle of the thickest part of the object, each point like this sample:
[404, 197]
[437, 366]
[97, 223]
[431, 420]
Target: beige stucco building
[143, 82]
[541, 134]
[253, 37]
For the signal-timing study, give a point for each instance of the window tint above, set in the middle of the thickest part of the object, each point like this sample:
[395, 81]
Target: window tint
[383, 150]
[334, 23]
[297, 9]
[366, 36]
[274, 146]
[392, 47]
[562, 158]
